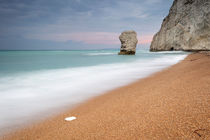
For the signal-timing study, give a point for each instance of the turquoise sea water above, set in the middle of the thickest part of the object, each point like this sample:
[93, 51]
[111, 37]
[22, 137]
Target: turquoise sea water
[14, 62]
[34, 84]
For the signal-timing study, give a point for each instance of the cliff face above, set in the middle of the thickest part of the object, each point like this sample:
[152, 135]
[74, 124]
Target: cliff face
[128, 41]
[187, 27]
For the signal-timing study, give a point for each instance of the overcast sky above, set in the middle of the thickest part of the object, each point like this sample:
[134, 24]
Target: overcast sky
[77, 24]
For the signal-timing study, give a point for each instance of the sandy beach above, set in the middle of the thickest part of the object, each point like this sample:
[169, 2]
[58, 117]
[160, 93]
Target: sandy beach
[171, 104]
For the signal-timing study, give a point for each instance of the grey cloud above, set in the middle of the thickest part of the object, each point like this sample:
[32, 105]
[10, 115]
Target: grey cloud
[25, 17]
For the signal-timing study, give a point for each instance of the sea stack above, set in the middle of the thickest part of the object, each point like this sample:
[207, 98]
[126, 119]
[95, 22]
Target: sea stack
[128, 41]
[187, 27]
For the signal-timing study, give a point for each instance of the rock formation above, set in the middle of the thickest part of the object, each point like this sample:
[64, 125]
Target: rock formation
[187, 27]
[128, 43]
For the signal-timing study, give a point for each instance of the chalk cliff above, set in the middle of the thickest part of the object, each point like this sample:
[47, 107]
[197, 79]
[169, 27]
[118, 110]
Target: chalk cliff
[128, 41]
[187, 27]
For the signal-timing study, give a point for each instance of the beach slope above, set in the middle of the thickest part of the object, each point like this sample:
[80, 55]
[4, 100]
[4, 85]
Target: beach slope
[171, 104]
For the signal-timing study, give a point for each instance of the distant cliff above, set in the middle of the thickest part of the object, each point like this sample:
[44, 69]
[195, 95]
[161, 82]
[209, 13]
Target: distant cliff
[187, 27]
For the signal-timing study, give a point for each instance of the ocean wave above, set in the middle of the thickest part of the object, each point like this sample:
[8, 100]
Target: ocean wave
[169, 52]
[26, 95]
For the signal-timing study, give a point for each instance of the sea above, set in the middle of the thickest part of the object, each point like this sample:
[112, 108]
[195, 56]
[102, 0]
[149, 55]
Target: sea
[37, 84]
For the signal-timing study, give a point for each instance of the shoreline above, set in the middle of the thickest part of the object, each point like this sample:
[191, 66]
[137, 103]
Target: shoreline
[144, 109]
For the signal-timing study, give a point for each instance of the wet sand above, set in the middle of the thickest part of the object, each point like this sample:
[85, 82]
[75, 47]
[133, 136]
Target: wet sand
[171, 104]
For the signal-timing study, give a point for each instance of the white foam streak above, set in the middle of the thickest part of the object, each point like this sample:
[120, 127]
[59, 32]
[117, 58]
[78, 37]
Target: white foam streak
[95, 54]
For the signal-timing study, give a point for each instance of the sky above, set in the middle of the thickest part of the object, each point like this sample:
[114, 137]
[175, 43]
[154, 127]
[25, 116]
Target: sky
[77, 24]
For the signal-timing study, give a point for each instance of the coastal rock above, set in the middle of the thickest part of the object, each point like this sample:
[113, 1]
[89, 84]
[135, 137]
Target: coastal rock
[128, 41]
[187, 27]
